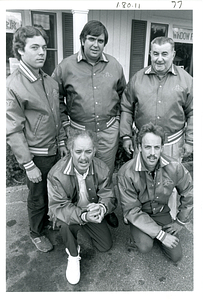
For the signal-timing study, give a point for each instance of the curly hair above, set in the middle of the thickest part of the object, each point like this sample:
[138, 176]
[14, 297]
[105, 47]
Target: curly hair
[74, 134]
[22, 33]
[150, 128]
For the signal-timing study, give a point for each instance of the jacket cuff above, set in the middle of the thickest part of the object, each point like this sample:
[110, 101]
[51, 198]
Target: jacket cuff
[61, 143]
[180, 222]
[29, 166]
[161, 235]
[126, 137]
[104, 207]
[189, 142]
[83, 217]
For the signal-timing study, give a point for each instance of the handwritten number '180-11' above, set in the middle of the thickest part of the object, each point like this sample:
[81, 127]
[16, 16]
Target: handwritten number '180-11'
[127, 5]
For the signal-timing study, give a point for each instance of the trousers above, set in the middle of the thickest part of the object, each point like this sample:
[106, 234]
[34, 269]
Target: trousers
[145, 243]
[174, 150]
[37, 201]
[108, 140]
[99, 233]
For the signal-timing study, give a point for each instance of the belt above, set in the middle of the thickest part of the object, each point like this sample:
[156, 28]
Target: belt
[172, 139]
[94, 126]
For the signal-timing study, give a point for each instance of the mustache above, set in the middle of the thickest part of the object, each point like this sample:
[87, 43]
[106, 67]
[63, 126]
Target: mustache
[83, 160]
[151, 156]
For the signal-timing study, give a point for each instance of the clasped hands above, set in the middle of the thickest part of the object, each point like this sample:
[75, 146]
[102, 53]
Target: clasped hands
[95, 213]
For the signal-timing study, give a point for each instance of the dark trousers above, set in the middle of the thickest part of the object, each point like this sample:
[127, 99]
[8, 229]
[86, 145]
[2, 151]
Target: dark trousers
[37, 202]
[99, 233]
[145, 243]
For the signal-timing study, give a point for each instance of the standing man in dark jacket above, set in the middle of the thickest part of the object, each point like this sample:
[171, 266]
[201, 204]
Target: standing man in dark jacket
[34, 130]
[145, 185]
[80, 195]
[91, 84]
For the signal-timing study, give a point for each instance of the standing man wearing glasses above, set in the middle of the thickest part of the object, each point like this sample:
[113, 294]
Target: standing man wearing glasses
[91, 84]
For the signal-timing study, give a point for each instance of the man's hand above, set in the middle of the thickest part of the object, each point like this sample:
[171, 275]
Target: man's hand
[187, 150]
[173, 228]
[34, 175]
[95, 213]
[170, 241]
[63, 151]
[127, 145]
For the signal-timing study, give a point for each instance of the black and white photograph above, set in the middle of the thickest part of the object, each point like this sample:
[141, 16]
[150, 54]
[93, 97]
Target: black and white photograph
[101, 129]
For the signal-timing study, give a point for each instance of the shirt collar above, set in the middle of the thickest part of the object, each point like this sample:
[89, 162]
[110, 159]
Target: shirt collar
[81, 56]
[150, 70]
[140, 166]
[70, 169]
[29, 73]
[80, 175]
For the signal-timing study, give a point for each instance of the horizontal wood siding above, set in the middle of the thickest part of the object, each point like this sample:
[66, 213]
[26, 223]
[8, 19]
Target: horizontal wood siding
[118, 24]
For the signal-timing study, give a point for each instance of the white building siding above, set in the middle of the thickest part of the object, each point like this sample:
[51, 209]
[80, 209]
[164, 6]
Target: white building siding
[119, 24]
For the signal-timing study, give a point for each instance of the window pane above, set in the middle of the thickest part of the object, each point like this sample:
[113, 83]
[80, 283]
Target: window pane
[13, 22]
[184, 56]
[158, 30]
[50, 62]
[47, 22]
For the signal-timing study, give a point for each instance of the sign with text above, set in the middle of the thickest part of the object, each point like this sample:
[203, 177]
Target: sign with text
[13, 21]
[183, 35]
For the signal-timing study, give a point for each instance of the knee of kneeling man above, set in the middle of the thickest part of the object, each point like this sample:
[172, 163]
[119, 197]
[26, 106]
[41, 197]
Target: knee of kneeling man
[106, 247]
[177, 257]
[144, 248]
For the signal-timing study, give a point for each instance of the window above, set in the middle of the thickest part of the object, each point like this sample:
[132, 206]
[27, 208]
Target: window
[13, 22]
[184, 56]
[48, 22]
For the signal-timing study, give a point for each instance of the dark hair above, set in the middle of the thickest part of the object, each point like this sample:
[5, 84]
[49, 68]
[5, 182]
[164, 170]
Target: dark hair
[22, 33]
[94, 28]
[150, 127]
[75, 133]
[161, 40]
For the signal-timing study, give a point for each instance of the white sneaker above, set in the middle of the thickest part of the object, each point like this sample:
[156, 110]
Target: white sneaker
[73, 267]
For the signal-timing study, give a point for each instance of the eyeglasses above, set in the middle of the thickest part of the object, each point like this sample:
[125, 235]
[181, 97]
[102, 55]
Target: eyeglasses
[93, 39]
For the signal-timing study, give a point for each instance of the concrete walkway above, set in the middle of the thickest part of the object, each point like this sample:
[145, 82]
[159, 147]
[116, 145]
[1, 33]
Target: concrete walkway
[120, 269]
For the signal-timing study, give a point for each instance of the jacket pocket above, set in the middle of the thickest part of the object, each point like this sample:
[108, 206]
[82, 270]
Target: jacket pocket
[37, 124]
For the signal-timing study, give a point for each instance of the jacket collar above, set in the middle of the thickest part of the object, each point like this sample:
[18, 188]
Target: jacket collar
[140, 166]
[81, 56]
[150, 70]
[27, 72]
[69, 168]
